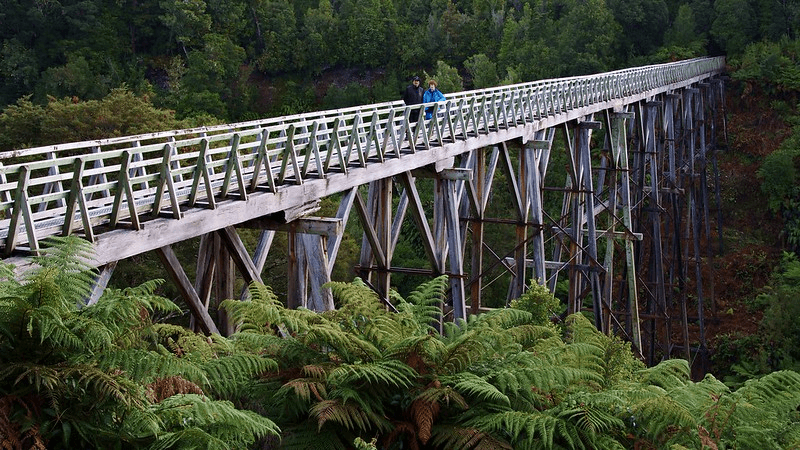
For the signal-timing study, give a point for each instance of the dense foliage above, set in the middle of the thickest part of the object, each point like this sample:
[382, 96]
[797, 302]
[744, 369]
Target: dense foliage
[108, 376]
[237, 59]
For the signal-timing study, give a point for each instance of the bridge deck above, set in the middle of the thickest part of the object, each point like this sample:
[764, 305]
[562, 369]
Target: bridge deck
[137, 193]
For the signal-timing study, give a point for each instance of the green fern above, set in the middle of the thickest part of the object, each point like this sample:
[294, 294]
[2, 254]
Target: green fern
[228, 375]
[191, 421]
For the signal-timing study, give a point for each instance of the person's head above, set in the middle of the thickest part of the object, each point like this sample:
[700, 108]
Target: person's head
[432, 84]
[415, 81]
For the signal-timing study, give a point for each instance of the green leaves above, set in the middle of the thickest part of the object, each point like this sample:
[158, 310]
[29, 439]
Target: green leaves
[106, 375]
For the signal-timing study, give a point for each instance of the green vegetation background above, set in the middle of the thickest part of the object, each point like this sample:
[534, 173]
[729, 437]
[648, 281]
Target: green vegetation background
[75, 70]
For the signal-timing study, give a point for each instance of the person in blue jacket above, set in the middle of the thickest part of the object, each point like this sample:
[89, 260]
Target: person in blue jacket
[431, 95]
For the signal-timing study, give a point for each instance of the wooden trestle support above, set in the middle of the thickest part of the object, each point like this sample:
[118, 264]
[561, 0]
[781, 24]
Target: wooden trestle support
[632, 239]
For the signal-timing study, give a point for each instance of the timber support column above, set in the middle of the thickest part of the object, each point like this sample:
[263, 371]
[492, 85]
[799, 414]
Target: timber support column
[451, 180]
[583, 139]
[224, 278]
[619, 149]
[537, 157]
[476, 228]
[658, 305]
[376, 219]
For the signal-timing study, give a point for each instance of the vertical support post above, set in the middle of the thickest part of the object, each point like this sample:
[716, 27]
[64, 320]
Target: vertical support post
[455, 255]
[536, 152]
[476, 226]
[656, 276]
[583, 138]
[296, 286]
[677, 272]
[619, 150]
[521, 228]
[224, 277]
[383, 227]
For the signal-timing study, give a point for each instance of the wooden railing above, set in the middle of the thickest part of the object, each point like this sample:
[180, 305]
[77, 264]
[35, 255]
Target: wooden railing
[87, 187]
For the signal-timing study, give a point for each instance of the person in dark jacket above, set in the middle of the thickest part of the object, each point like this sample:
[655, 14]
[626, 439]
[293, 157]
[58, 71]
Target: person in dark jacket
[433, 94]
[413, 96]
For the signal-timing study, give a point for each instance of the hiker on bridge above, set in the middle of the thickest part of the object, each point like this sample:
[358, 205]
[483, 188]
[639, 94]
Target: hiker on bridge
[432, 95]
[413, 96]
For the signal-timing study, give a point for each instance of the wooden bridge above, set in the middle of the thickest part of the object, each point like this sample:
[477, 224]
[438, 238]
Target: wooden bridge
[632, 223]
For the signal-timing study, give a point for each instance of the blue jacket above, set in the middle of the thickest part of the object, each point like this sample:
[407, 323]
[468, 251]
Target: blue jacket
[430, 97]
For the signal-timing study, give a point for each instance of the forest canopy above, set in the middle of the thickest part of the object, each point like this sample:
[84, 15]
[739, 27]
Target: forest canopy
[240, 59]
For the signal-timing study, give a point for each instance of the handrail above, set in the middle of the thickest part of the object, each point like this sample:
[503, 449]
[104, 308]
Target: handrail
[64, 188]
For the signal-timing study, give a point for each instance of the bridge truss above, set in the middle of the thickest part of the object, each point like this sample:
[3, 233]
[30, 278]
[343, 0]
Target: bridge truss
[628, 235]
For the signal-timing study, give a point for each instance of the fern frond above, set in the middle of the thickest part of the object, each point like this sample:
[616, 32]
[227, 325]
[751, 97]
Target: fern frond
[654, 416]
[347, 345]
[389, 373]
[146, 366]
[578, 329]
[453, 437]
[592, 419]
[189, 439]
[478, 388]
[257, 343]
[67, 257]
[777, 390]
[227, 373]
[95, 336]
[40, 377]
[503, 318]
[444, 395]
[46, 321]
[668, 374]
[529, 335]
[462, 352]
[164, 388]
[432, 292]
[348, 415]
[424, 414]
[259, 314]
[521, 426]
[424, 346]
[355, 302]
[327, 438]
[424, 304]
[218, 418]
[306, 389]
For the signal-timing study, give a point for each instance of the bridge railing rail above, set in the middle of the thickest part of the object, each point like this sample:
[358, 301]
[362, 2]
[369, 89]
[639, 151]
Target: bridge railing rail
[87, 187]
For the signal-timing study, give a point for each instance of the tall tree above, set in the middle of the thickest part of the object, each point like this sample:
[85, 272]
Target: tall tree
[276, 47]
[319, 29]
[643, 24]
[368, 29]
[587, 38]
[734, 26]
[187, 21]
